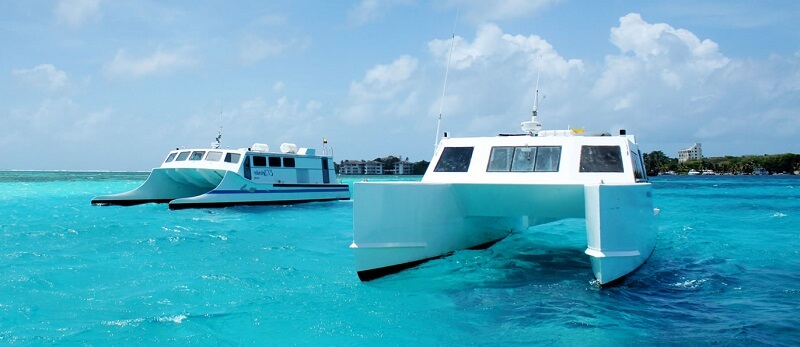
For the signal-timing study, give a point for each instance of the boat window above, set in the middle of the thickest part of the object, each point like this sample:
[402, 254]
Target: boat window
[288, 162]
[182, 156]
[274, 161]
[454, 159]
[547, 159]
[197, 155]
[259, 160]
[638, 167]
[500, 159]
[214, 156]
[232, 157]
[523, 159]
[601, 159]
[170, 157]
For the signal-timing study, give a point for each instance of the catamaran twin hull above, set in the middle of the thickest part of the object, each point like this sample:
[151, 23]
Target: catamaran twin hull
[479, 190]
[221, 178]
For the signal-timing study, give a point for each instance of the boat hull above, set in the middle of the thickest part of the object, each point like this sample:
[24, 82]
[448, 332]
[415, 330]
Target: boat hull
[164, 185]
[399, 224]
[236, 190]
[620, 228]
[197, 188]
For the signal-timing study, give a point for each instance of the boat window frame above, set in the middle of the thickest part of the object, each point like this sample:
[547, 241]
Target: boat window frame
[259, 161]
[275, 162]
[171, 157]
[639, 170]
[552, 154]
[288, 162]
[499, 163]
[182, 156]
[233, 158]
[214, 156]
[601, 159]
[556, 158]
[194, 156]
[455, 159]
[529, 159]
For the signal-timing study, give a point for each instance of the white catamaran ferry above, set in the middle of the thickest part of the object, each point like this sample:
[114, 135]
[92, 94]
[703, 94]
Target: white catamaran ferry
[478, 190]
[215, 177]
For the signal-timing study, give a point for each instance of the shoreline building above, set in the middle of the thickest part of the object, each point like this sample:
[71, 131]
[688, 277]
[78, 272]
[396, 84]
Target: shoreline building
[351, 167]
[360, 167]
[373, 168]
[694, 152]
[403, 168]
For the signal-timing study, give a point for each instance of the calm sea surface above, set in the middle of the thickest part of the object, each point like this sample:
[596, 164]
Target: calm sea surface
[726, 270]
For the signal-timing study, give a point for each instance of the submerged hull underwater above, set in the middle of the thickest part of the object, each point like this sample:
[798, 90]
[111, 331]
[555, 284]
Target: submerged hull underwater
[197, 188]
[398, 225]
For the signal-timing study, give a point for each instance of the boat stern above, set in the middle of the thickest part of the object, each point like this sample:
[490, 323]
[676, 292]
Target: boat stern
[620, 228]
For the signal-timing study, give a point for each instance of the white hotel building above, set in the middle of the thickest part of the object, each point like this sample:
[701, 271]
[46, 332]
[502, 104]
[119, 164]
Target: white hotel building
[694, 152]
[360, 167]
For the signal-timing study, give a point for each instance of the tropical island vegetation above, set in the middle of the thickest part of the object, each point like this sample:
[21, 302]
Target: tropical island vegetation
[657, 162]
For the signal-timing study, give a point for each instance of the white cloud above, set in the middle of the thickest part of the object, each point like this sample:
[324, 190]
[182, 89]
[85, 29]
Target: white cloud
[479, 11]
[665, 85]
[44, 76]
[676, 57]
[76, 13]
[661, 74]
[267, 120]
[490, 87]
[674, 88]
[159, 62]
[369, 10]
[492, 46]
[476, 11]
[60, 119]
[253, 49]
[278, 86]
[381, 91]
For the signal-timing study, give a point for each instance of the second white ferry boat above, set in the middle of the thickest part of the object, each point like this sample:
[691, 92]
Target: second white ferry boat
[214, 177]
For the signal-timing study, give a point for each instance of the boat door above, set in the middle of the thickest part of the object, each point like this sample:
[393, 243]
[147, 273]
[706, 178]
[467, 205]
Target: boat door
[246, 170]
[325, 174]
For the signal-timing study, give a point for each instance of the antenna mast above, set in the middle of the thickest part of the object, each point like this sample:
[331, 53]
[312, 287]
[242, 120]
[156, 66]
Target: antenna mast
[444, 86]
[533, 126]
[216, 143]
[536, 97]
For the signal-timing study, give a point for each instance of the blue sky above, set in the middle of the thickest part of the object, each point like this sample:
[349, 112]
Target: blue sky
[113, 85]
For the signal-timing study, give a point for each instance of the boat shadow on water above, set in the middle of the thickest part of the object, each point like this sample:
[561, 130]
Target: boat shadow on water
[511, 263]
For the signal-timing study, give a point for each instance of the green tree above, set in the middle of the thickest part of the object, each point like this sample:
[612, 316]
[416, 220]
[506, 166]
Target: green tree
[655, 162]
[420, 167]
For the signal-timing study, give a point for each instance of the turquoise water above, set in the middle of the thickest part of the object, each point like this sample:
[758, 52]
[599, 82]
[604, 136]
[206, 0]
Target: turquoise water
[726, 270]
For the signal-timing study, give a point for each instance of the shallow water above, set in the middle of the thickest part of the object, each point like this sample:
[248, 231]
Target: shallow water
[725, 270]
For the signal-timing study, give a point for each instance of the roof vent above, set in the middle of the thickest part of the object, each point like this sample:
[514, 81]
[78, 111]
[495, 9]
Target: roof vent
[260, 147]
[289, 148]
